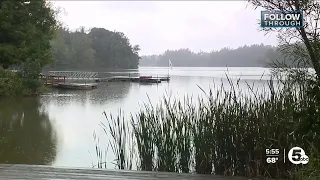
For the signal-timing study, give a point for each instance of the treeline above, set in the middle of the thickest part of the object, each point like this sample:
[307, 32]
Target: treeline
[97, 49]
[245, 56]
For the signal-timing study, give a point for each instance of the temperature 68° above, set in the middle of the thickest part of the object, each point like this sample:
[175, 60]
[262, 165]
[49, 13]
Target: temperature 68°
[272, 160]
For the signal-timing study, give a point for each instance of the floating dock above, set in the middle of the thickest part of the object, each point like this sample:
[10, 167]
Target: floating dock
[77, 86]
[60, 81]
[141, 79]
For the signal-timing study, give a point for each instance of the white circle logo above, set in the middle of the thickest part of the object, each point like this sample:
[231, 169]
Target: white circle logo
[297, 155]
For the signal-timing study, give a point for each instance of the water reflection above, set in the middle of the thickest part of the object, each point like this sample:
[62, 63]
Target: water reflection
[78, 113]
[106, 92]
[109, 91]
[26, 134]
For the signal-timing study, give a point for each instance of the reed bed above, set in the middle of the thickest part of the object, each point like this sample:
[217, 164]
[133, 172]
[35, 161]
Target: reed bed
[224, 133]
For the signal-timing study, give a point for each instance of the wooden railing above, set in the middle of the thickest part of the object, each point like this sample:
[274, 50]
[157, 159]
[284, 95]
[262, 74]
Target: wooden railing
[52, 79]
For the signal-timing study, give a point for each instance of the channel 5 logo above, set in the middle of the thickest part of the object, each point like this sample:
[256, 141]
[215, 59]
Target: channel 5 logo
[297, 155]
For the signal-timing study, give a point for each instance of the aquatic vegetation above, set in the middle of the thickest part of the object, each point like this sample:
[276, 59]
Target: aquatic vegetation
[224, 133]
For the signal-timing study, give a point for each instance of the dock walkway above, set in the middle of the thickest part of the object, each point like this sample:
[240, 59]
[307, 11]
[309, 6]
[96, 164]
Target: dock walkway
[59, 79]
[135, 79]
[16, 171]
[77, 86]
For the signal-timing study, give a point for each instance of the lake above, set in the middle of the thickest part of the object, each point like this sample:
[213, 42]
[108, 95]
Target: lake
[57, 127]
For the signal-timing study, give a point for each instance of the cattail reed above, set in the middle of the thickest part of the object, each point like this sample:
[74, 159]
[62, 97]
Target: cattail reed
[225, 133]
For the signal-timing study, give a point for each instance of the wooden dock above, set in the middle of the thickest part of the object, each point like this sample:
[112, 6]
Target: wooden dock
[52, 80]
[55, 78]
[60, 82]
[16, 171]
[137, 79]
[77, 86]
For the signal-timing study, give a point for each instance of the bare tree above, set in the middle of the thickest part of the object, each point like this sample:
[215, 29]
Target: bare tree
[301, 43]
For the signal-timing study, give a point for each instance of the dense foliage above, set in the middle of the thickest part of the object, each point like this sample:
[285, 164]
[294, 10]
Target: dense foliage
[97, 50]
[245, 56]
[11, 84]
[26, 29]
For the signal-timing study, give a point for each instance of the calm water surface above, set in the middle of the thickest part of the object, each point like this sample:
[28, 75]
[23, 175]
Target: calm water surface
[57, 128]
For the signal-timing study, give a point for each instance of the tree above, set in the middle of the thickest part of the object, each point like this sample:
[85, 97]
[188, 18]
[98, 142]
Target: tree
[113, 49]
[26, 28]
[292, 39]
[81, 44]
[62, 53]
[95, 49]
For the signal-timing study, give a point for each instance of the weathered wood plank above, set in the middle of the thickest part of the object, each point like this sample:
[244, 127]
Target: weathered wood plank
[47, 172]
[2, 166]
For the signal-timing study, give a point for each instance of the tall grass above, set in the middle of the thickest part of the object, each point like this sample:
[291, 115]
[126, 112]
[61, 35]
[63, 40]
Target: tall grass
[121, 140]
[100, 153]
[224, 133]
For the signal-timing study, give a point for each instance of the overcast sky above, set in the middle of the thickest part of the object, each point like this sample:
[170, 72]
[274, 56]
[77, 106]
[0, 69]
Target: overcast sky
[160, 25]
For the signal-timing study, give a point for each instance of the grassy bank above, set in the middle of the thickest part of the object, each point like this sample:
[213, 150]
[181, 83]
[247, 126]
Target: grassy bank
[225, 133]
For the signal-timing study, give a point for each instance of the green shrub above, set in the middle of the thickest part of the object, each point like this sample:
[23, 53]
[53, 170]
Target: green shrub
[15, 84]
[11, 83]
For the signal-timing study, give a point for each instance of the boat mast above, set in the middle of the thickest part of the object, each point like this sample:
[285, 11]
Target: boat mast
[168, 66]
